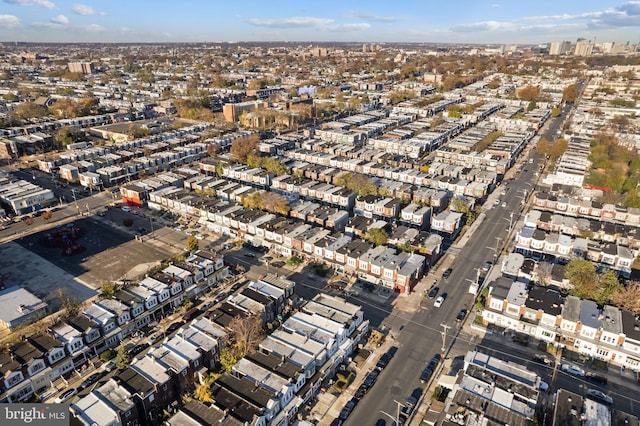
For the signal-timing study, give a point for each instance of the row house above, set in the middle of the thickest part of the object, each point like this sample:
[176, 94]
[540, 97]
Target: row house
[151, 388]
[590, 209]
[108, 405]
[447, 223]
[376, 206]
[608, 334]
[416, 215]
[536, 243]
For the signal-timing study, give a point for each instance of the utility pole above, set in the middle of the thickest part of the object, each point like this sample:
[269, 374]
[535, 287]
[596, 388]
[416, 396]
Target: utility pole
[398, 411]
[444, 337]
[75, 200]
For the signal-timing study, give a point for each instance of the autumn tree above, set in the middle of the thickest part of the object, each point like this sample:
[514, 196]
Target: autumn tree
[229, 356]
[246, 333]
[628, 297]
[203, 391]
[242, 147]
[192, 243]
[27, 110]
[570, 93]
[71, 305]
[529, 93]
[376, 236]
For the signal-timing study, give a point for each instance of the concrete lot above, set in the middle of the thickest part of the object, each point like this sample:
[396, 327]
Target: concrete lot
[110, 253]
[19, 266]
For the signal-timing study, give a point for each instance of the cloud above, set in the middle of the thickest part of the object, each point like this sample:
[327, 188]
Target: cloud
[83, 9]
[9, 21]
[625, 15]
[293, 22]
[39, 3]
[59, 20]
[372, 18]
[496, 5]
[93, 28]
[348, 27]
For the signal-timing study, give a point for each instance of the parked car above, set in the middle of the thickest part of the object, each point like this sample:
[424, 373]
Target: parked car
[426, 375]
[125, 208]
[440, 300]
[596, 378]
[278, 264]
[409, 405]
[155, 338]
[383, 361]
[249, 255]
[220, 297]
[504, 204]
[174, 326]
[574, 370]
[139, 348]
[91, 379]
[447, 272]
[435, 361]
[542, 359]
[347, 409]
[65, 396]
[599, 396]
[381, 422]
[486, 265]
[110, 365]
[461, 315]
[392, 351]
[433, 292]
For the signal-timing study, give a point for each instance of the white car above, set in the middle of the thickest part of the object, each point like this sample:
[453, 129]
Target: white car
[599, 396]
[125, 208]
[439, 301]
[573, 370]
[67, 395]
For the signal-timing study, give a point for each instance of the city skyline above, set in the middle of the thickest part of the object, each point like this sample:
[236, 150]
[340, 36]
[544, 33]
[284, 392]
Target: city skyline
[491, 22]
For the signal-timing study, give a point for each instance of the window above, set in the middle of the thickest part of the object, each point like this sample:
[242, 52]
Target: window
[152, 397]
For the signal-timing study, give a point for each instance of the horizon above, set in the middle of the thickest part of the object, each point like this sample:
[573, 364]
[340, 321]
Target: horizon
[480, 22]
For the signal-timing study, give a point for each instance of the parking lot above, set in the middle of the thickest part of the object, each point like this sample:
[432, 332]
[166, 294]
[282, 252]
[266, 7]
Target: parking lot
[107, 253]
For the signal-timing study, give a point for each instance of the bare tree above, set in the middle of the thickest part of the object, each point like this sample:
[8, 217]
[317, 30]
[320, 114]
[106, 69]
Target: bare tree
[246, 333]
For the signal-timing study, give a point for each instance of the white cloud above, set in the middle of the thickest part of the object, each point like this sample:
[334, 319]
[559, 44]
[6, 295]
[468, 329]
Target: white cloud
[93, 28]
[39, 3]
[9, 21]
[372, 18]
[83, 9]
[292, 22]
[348, 27]
[496, 5]
[59, 20]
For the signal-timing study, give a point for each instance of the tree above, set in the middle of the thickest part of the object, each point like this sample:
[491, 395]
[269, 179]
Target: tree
[246, 333]
[570, 93]
[68, 135]
[529, 93]
[203, 392]
[47, 215]
[582, 274]
[192, 243]
[123, 359]
[242, 147]
[70, 304]
[187, 304]
[108, 289]
[628, 297]
[229, 356]
[376, 236]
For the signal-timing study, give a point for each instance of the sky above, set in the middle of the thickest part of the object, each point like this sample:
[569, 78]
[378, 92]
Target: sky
[422, 21]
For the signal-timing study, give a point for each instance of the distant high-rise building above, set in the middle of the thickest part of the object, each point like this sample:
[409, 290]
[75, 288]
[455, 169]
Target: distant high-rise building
[583, 48]
[81, 67]
[560, 48]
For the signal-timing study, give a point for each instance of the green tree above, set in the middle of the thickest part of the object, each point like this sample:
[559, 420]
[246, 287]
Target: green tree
[123, 359]
[229, 356]
[376, 236]
[582, 274]
[192, 243]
